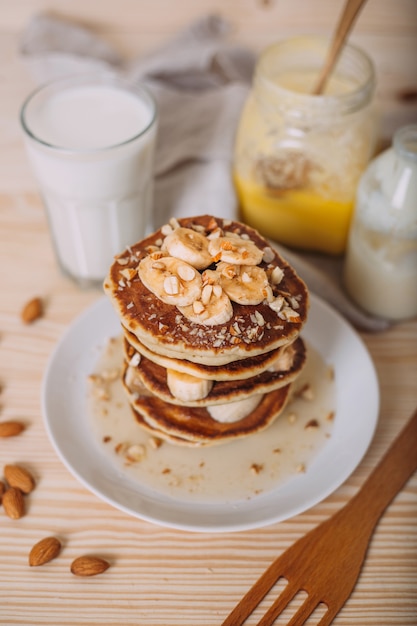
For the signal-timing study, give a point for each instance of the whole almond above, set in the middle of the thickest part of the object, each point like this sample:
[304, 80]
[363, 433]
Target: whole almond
[19, 477]
[13, 503]
[32, 310]
[44, 551]
[11, 428]
[89, 566]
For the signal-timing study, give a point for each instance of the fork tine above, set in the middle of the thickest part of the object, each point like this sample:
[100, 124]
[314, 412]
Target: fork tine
[255, 595]
[301, 615]
[279, 605]
[328, 617]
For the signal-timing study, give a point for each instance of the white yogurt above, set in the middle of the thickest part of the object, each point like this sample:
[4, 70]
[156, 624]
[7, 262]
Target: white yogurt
[91, 143]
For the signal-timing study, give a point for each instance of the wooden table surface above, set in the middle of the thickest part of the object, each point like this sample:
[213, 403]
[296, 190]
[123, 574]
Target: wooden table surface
[159, 576]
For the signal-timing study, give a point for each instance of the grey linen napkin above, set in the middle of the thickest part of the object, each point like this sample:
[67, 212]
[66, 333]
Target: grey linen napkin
[200, 83]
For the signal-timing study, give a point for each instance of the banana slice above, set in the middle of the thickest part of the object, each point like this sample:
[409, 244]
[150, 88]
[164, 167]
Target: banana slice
[245, 284]
[189, 246]
[213, 307]
[234, 411]
[187, 388]
[171, 280]
[235, 250]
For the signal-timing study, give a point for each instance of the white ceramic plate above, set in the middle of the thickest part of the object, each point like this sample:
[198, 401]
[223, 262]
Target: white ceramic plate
[64, 394]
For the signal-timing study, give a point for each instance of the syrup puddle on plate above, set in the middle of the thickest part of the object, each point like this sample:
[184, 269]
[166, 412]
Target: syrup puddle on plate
[228, 472]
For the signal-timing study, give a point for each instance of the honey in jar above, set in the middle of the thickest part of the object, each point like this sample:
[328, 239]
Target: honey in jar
[298, 156]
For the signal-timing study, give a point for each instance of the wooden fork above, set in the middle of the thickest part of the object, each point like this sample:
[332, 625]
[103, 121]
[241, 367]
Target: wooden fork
[327, 561]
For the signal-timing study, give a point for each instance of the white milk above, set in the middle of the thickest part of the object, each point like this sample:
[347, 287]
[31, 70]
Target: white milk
[381, 260]
[91, 143]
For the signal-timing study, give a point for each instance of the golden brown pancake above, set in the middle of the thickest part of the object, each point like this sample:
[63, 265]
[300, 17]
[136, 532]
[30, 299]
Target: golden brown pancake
[195, 425]
[236, 370]
[164, 330]
[154, 378]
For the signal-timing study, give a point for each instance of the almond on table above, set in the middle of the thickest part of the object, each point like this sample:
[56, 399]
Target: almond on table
[89, 566]
[20, 478]
[32, 310]
[11, 428]
[13, 503]
[44, 551]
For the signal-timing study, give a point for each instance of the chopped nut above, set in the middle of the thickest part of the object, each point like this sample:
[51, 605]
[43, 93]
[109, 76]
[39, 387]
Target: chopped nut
[311, 424]
[171, 285]
[256, 468]
[186, 272]
[135, 453]
[155, 442]
[166, 229]
[306, 392]
[277, 275]
[268, 255]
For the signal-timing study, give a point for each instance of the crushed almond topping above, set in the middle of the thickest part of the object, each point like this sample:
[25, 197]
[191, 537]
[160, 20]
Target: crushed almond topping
[186, 272]
[174, 223]
[155, 442]
[206, 294]
[166, 229]
[259, 318]
[212, 225]
[130, 305]
[277, 275]
[171, 285]
[306, 392]
[312, 424]
[256, 468]
[135, 453]
[198, 307]
[268, 255]
[122, 261]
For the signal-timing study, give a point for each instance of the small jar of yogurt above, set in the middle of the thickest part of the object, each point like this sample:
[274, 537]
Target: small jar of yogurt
[91, 144]
[380, 270]
[298, 156]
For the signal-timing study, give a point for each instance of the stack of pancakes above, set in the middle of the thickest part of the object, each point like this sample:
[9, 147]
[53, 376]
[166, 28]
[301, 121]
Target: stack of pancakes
[211, 317]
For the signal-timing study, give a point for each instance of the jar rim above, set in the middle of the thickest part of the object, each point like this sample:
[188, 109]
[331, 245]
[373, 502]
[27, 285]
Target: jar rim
[405, 142]
[309, 103]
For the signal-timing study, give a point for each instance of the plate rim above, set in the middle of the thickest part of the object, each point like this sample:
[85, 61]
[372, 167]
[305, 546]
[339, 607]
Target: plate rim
[207, 511]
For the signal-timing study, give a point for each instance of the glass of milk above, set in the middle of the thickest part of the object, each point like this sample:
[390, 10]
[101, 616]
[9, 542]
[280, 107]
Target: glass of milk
[91, 143]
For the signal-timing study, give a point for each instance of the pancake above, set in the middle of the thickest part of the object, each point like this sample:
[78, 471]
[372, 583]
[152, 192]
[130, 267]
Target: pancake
[236, 370]
[195, 426]
[211, 318]
[154, 378]
[164, 329]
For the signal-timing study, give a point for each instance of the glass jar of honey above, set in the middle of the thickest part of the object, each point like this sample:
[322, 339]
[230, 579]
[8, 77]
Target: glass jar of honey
[298, 156]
